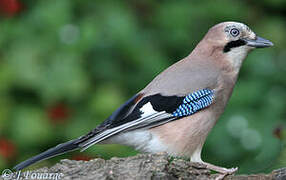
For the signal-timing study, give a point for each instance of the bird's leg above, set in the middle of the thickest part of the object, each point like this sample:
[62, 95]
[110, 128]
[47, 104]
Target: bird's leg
[224, 171]
[221, 170]
[196, 157]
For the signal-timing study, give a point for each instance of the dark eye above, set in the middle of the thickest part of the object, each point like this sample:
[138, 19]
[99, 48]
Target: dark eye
[234, 32]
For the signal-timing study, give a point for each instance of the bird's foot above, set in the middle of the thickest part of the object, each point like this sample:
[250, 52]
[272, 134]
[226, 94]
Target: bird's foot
[224, 171]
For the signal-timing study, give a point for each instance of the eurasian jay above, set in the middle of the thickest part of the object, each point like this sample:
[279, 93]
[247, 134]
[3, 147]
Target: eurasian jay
[175, 112]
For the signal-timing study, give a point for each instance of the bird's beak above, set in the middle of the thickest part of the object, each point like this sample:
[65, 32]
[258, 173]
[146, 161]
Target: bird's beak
[258, 42]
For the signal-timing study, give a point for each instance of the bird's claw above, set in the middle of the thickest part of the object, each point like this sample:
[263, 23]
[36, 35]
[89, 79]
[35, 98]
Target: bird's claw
[233, 170]
[226, 172]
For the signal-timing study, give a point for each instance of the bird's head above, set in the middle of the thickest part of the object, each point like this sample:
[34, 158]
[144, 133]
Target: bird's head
[234, 40]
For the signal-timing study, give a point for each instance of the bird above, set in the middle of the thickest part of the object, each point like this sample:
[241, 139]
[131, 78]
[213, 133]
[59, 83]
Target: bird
[176, 111]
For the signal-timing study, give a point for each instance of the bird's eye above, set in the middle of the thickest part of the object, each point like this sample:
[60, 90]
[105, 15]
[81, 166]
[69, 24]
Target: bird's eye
[234, 32]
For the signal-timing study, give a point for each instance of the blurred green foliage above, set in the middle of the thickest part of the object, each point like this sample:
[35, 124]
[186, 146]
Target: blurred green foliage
[66, 65]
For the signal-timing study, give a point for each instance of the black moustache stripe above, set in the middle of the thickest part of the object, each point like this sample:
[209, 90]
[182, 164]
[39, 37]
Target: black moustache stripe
[233, 44]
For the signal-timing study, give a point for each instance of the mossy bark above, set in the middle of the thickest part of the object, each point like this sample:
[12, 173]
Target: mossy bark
[145, 166]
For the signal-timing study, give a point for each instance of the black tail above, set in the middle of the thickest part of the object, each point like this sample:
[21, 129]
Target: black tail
[59, 149]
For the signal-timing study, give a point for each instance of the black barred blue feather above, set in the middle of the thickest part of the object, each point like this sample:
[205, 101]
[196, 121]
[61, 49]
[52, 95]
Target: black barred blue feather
[194, 102]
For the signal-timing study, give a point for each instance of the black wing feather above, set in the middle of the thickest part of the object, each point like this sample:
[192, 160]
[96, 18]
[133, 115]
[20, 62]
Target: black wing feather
[124, 114]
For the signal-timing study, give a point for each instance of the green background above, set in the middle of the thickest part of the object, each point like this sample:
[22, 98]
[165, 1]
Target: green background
[67, 65]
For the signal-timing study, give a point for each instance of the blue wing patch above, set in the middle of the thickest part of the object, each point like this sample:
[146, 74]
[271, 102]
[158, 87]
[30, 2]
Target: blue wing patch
[194, 102]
